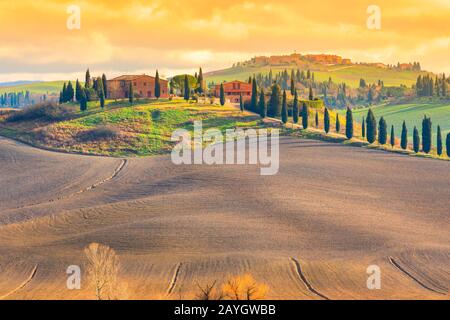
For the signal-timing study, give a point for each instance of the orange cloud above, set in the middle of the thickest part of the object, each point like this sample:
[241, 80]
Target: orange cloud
[174, 35]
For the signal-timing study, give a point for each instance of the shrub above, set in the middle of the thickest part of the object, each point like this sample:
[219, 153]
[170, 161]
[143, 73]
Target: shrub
[46, 111]
[99, 133]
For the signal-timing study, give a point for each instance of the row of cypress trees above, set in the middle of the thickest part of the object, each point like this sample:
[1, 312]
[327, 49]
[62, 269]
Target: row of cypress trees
[369, 131]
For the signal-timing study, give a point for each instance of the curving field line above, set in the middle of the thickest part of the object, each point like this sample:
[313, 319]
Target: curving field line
[22, 285]
[305, 281]
[397, 266]
[173, 282]
[91, 187]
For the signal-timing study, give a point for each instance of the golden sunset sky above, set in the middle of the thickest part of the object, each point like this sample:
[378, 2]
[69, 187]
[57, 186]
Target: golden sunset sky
[134, 36]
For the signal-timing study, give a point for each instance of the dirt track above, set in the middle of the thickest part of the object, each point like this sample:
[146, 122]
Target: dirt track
[309, 232]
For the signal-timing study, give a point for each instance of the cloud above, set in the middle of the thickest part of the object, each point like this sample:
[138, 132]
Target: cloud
[121, 36]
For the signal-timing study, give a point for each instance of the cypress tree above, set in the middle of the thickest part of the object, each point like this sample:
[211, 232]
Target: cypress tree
[439, 141]
[305, 116]
[404, 138]
[274, 108]
[262, 105]
[222, 95]
[60, 97]
[64, 93]
[83, 100]
[295, 108]
[349, 123]
[69, 92]
[131, 93]
[338, 123]
[105, 85]
[157, 86]
[101, 93]
[187, 90]
[426, 134]
[292, 85]
[392, 136]
[363, 128]
[382, 136]
[416, 140]
[311, 96]
[88, 79]
[241, 103]
[371, 127]
[200, 81]
[254, 99]
[317, 119]
[78, 90]
[284, 112]
[447, 144]
[326, 121]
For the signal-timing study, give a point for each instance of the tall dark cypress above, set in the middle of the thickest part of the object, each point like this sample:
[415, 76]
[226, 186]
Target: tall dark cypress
[404, 138]
[69, 92]
[326, 120]
[87, 83]
[105, 85]
[78, 89]
[316, 119]
[363, 128]
[338, 123]
[274, 107]
[447, 144]
[284, 112]
[305, 116]
[292, 85]
[157, 86]
[200, 81]
[254, 100]
[241, 103]
[262, 104]
[64, 93]
[426, 134]
[416, 140]
[392, 136]
[311, 95]
[349, 123]
[83, 100]
[439, 141]
[131, 93]
[187, 89]
[222, 95]
[101, 93]
[382, 136]
[371, 127]
[295, 108]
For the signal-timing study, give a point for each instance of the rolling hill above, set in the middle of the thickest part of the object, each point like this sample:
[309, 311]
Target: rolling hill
[412, 113]
[350, 74]
[44, 87]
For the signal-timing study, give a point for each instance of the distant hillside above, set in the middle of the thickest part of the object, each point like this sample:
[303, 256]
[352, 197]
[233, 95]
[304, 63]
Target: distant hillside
[44, 87]
[16, 83]
[412, 113]
[324, 66]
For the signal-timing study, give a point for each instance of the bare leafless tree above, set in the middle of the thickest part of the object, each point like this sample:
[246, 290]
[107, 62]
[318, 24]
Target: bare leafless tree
[103, 271]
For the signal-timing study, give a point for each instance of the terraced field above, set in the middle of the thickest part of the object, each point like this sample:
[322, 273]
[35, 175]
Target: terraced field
[309, 232]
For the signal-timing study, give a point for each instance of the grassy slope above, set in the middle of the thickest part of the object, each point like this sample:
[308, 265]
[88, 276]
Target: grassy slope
[144, 128]
[413, 114]
[348, 74]
[37, 87]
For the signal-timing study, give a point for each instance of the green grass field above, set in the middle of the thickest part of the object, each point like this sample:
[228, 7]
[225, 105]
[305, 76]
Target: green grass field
[348, 74]
[145, 128]
[413, 114]
[46, 87]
